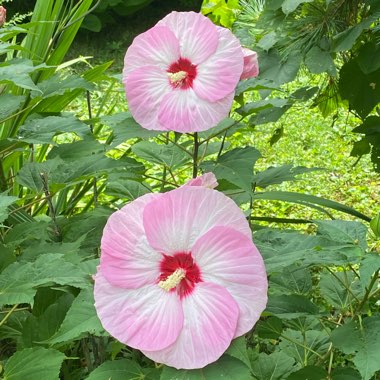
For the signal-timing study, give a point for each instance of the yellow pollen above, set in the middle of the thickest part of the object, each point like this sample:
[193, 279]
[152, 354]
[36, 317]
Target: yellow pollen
[177, 77]
[173, 280]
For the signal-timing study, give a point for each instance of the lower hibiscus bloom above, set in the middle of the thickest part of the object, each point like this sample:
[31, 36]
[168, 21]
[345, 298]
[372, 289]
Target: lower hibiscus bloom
[179, 276]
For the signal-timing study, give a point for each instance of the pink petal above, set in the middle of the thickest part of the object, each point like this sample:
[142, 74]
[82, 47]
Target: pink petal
[148, 318]
[210, 321]
[127, 260]
[218, 76]
[230, 259]
[145, 88]
[197, 35]
[206, 180]
[251, 65]
[156, 47]
[183, 111]
[178, 218]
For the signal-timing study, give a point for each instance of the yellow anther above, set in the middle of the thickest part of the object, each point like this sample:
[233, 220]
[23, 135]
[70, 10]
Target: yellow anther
[178, 77]
[173, 280]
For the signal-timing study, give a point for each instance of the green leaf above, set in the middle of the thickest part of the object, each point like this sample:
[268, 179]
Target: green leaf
[291, 306]
[235, 166]
[368, 266]
[309, 372]
[309, 201]
[319, 61]
[42, 130]
[361, 90]
[5, 201]
[289, 6]
[169, 155]
[80, 319]
[226, 368]
[124, 128]
[374, 224]
[369, 57]
[344, 231]
[259, 105]
[9, 104]
[238, 350]
[276, 366]
[20, 280]
[280, 174]
[269, 328]
[294, 342]
[125, 188]
[340, 290]
[34, 364]
[292, 280]
[345, 373]
[123, 369]
[361, 341]
[268, 41]
[18, 71]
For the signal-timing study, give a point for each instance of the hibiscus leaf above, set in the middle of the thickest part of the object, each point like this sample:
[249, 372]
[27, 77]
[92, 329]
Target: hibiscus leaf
[34, 364]
[275, 366]
[81, 318]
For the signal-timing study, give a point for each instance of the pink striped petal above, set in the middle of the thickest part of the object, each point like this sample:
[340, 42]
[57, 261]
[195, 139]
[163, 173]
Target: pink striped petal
[156, 47]
[148, 318]
[197, 35]
[210, 321]
[183, 111]
[178, 218]
[206, 180]
[230, 259]
[145, 88]
[251, 65]
[218, 76]
[127, 260]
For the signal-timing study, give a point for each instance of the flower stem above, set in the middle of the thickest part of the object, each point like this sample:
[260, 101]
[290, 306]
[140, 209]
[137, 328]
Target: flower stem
[195, 155]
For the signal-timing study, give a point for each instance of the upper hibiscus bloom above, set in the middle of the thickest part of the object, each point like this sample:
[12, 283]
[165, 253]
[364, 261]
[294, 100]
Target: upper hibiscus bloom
[181, 74]
[179, 276]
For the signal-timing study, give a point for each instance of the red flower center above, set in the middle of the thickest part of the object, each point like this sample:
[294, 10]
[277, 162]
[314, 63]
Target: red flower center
[182, 73]
[179, 272]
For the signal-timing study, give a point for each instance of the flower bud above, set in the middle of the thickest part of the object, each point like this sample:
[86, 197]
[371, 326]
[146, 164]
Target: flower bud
[3, 15]
[251, 65]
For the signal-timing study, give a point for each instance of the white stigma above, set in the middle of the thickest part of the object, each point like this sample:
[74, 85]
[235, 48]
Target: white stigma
[178, 77]
[173, 280]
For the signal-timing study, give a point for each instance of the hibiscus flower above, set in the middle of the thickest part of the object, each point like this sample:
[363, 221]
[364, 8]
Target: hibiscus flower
[181, 74]
[179, 276]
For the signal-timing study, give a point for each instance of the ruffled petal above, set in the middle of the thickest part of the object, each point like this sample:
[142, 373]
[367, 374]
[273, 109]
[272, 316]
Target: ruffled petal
[148, 318]
[230, 259]
[145, 88]
[183, 111]
[197, 35]
[175, 221]
[210, 321]
[156, 47]
[218, 76]
[127, 260]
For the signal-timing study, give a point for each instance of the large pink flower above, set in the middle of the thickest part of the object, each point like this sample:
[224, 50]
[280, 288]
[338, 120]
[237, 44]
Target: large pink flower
[179, 276]
[181, 74]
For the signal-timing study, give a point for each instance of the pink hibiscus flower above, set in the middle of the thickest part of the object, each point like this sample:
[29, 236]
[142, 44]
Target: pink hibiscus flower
[179, 276]
[181, 74]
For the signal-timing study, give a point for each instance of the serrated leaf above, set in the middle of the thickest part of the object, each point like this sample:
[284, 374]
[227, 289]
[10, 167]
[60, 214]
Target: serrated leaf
[124, 128]
[368, 266]
[20, 280]
[34, 364]
[9, 104]
[5, 201]
[361, 341]
[291, 306]
[126, 188]
[123, 369]
[270, 328]
[319, 61]
[42, 130]
[169, 155]
[276, 366]
[226, 368]
[235, 166]
[238, 350]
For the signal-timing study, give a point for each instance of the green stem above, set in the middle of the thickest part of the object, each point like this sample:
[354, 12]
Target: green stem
[195, 155]
[368, 291]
